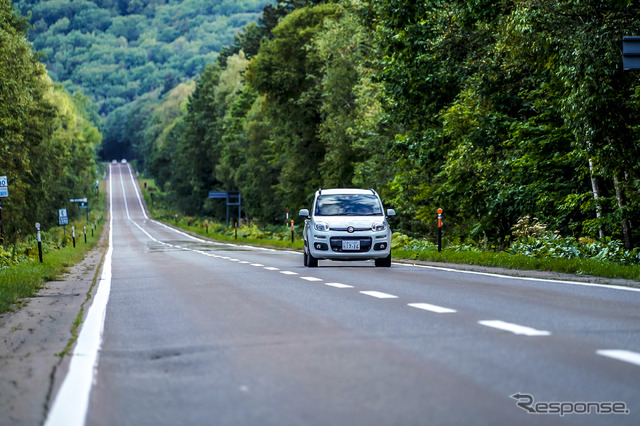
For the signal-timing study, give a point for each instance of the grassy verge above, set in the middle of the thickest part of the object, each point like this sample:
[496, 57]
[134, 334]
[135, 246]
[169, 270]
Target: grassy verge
[520, 262]
[23, 275]
[281, 239]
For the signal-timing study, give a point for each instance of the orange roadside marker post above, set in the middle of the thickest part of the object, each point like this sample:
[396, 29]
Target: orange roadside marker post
[439, 230]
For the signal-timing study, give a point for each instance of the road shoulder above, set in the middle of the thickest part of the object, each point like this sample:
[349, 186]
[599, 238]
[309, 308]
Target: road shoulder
[33, 336]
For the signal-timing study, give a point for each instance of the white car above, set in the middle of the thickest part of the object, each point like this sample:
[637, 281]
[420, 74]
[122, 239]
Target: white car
[347, 224]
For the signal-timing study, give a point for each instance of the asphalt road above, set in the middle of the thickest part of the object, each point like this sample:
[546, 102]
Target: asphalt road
[202, 333]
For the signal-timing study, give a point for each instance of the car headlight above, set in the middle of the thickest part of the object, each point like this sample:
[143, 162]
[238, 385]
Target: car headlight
[378, 227]
[321, 226]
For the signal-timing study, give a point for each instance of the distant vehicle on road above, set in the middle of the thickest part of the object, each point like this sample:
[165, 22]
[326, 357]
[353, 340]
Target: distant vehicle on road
[114, 161]
[347, 224]
[124, 161]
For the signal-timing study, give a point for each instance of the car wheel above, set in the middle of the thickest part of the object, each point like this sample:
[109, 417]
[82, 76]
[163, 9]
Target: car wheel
[305, 259]
[312, 262]
[384, 263]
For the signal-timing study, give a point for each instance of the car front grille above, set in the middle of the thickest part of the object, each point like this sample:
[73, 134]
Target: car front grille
[365, 244]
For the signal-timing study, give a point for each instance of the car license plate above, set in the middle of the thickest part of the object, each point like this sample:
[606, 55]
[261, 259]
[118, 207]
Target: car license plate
[351, 245]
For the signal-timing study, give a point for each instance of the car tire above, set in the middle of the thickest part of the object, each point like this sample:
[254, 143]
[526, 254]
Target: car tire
[312, 262]
[384, 263]
[305, 259]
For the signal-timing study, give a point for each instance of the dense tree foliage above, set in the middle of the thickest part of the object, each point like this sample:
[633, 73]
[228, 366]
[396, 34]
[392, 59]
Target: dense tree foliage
[504, 107]
[491, 110]
[48, 138]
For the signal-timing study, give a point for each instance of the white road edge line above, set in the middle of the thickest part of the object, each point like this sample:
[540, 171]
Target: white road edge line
[514, 328]
[513, 277]
[621, 355]
[432, 308]
[379, 295]
[72, 402]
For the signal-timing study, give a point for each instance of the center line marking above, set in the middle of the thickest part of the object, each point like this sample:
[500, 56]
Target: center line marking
[514, 328]
[288, 273]
[311, 278]
[339, 285]
[621, 355]
[379, 295]
[271, 268]
[432, 308]
[257, 264]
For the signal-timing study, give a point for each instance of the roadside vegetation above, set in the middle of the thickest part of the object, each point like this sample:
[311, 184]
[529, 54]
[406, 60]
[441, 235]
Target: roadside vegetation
[22, 274]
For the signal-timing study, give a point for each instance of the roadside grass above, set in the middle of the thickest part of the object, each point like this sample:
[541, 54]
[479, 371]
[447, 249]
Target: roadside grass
[250, 235]
[590, 267]
[23, 277]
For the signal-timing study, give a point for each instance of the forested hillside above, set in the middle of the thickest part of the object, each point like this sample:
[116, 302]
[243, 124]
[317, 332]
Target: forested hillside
[117, 50]
[493, 111]
[48, 137]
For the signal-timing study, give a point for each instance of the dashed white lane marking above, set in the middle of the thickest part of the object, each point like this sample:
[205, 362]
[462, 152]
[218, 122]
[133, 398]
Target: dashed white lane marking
[432, 308]
[311, 278]
[288, 272]
[514, 328]
[621, 355]
[257, 264]
[244, 262]
[271, 268]
[339, 285]
[379, 294]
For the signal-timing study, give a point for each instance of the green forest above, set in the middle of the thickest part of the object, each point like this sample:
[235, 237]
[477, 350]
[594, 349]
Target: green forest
[48, 137]
[500, 112]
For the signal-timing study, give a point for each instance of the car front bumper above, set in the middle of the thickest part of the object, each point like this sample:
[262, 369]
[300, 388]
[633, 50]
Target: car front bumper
[349, 246]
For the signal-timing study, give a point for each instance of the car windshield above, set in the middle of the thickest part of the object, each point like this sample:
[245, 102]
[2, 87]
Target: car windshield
[348, 205]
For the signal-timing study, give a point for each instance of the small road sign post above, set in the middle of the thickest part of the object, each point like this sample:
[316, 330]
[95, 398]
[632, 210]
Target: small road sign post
[63, 220]
[63, 217]
[4, 192]
[83, 203]
[234, 198]
[631, 53]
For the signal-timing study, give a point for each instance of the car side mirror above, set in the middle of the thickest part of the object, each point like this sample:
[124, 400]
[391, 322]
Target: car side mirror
[391, 212]
[304, 213]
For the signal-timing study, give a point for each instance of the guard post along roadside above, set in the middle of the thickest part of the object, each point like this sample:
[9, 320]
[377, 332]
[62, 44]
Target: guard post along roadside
[439, 230]
[39, 238]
